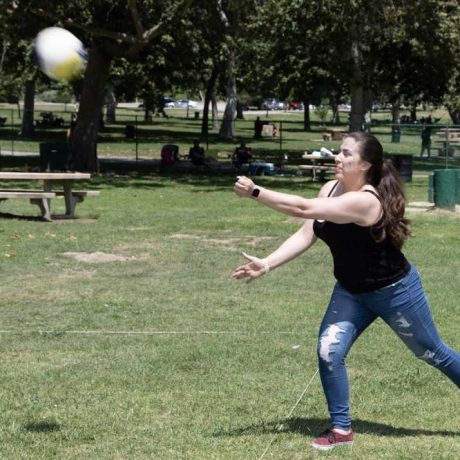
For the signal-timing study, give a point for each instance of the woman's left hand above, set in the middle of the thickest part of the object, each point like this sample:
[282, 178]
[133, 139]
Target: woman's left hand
[244, 186]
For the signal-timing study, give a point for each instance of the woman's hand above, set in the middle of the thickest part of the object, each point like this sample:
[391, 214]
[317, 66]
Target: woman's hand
[252, 270]
[243, 186]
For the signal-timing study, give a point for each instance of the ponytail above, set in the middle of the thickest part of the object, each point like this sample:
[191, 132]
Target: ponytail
[393, 224]
[390, 188]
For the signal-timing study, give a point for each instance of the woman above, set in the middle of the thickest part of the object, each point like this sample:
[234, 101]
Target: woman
[360, 216]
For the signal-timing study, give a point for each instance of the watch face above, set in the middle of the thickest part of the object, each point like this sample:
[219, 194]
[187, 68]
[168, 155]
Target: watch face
[256, 192]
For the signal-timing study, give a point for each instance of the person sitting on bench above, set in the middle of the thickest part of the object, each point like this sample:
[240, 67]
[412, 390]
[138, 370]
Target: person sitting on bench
[242, 155]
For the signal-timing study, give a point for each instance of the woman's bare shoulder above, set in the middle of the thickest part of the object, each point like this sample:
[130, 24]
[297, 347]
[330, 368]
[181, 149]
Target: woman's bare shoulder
[327, 188]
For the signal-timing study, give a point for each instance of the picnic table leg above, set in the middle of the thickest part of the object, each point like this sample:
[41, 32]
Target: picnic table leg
[70, 200]
[43, 204]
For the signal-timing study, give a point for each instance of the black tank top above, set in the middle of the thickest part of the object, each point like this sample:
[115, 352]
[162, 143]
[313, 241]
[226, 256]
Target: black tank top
[360, 263]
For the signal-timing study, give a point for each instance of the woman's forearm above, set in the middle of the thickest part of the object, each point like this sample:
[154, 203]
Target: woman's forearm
[298, 243]
[292, 205]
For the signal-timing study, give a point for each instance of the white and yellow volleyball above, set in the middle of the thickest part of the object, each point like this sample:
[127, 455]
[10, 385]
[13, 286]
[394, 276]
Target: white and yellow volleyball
[60, 54]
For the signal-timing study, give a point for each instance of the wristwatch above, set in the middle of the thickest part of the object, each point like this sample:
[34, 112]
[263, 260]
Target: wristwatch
[255, 192]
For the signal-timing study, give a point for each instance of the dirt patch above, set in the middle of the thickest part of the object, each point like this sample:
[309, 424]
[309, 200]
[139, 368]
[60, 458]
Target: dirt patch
[97, 257]
[140, 245]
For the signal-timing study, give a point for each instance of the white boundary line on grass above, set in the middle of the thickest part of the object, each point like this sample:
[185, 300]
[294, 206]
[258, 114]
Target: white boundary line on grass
[106, 332]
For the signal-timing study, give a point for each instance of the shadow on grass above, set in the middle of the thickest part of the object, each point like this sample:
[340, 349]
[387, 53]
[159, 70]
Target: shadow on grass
[313, 426]
[204, 182]
[42, 427]
[7, 215]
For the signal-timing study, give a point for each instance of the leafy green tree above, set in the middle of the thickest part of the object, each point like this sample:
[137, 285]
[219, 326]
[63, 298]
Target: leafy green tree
[109, 29]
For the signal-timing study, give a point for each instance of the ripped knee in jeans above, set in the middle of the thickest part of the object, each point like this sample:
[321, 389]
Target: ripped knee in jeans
[331, 346]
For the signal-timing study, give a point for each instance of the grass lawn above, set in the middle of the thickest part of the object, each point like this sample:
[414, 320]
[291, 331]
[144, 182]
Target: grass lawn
[145, 348]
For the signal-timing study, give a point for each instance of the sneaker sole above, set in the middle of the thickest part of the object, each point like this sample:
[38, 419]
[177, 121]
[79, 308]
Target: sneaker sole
[332, 446]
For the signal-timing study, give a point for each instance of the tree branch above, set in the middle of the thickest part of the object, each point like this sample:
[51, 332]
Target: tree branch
[117, 36]
[132, 6]
[135, 42]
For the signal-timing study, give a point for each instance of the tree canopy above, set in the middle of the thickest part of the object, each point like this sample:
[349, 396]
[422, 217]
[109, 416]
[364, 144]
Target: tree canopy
[358, 51]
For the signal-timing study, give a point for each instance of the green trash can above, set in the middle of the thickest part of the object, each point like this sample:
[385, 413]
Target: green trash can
[457, 194]
[55, 156]
[445, 188]
[395, 134]
[404, 166]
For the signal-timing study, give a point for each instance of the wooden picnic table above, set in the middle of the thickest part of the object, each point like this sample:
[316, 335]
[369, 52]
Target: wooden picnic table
[449, 139]
[318, 165]
[49, 180]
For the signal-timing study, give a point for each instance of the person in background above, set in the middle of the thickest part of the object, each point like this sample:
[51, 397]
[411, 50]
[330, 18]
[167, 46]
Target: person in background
[242, 155]
[196, 154]
[258, 124]
[426, 141]
[360, 216]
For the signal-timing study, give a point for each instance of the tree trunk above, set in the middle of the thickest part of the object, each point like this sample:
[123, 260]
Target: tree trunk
[226, 128]
[215, 112]
[454, 115]
[357, 109]
[111, 103]
[413, 113]
[27, 128]
[149, 107]
[395, 112]
[356, 90]
[335, 113]
[239, 111]
[84, 137]
[210, 88]
[306, 115]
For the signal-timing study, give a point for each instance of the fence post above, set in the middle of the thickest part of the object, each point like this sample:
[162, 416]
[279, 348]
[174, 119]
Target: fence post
[12, 131]
[281, 135]
[135, 136]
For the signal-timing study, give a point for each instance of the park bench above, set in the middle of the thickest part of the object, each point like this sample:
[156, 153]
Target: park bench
[449, 139]
[42, 198]
[38, 197]
[317, 172]
[77, 196]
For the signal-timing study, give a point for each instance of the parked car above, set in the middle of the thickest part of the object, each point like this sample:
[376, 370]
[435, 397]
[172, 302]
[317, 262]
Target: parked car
[345, 107]
[183, 103]
[168, 102]
[272, 104]
[295, 106]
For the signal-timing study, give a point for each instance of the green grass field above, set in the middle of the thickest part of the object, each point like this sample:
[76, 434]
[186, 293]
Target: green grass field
[147, 349]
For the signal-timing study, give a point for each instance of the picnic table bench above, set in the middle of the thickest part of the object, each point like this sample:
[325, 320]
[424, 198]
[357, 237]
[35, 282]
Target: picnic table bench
[449, 140]
[42, 198]
[318, 165]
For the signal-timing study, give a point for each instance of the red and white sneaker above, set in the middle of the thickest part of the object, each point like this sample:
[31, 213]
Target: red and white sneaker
[330, 439]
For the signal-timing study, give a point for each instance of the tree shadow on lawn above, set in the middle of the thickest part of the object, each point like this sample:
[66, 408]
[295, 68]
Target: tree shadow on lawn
[313, 426]
[204, 182]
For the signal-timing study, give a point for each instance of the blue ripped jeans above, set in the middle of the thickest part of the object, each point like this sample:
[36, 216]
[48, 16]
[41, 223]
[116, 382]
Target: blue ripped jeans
[404, 307]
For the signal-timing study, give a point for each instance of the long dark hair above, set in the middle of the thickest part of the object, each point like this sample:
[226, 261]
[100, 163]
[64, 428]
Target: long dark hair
[383, 176]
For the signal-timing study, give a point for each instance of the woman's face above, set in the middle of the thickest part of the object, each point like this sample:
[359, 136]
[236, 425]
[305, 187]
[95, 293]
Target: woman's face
[349, 166]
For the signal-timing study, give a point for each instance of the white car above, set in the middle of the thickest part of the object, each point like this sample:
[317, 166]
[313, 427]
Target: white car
[169, 103]
[183, 103]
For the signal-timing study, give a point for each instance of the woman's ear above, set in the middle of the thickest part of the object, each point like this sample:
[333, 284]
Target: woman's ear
[365, 165]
